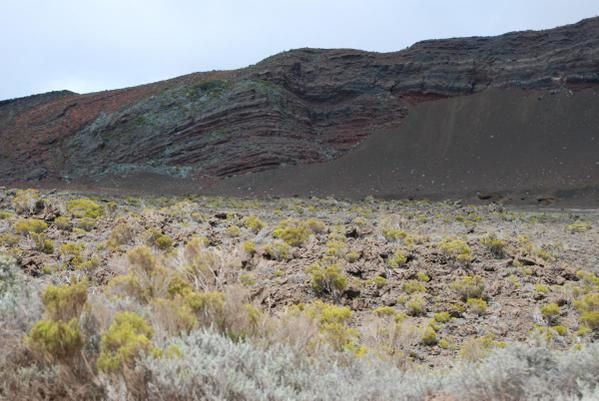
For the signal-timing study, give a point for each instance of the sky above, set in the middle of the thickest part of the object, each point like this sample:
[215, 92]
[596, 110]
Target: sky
[92, 45]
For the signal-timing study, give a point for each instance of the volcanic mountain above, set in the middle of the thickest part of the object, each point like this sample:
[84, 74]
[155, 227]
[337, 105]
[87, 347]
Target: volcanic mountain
[511, 114]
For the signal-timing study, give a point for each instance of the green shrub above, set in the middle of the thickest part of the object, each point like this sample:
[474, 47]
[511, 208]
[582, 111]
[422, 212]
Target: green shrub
[164, 242]
[123, 233]
[128, 336]
[316, 226]
[333, 326]
[249, 247]
[442, 317]
[26, 200]
[55, 340]
[475, 349]
[469, 287]
[397, 259]
[85, 223]
[495, 245]
[429, 336]
[293, 232]
[412, 286]
[142, 259]
[63, 223]
[590, 319]
[416, 305]
[422, 276]
[28, 226]
[551, 312]
[336, 248]
[385, 311]
[579, 226]
[380, 281]
[253, 223]
[65, 302]
[393, 234]
[477, 305]
[588, 307]
[328, 280]
[278, 250]
[5, 215]
[233, 231]
[352, 256]
[42, 243]
[541, 288]
[85, 208]
[457, 249]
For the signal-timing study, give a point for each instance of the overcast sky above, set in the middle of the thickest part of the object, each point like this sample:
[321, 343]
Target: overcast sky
[92, 45]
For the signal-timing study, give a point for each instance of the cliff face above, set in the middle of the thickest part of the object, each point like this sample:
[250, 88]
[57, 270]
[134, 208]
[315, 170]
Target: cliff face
[299, 107]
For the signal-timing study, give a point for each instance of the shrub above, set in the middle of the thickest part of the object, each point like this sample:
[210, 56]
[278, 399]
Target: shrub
[442, 317]
[495, 245]
[65, 302]
[142, 259]
[5, 215]
[85, 208]
[397, 259]
[249, 247]
[457, 249]
[28, 226]
[85, 223]
[551, 312]
[128, 336]
[590, 319]
[247, 279]
[129, 285]
[55, 340]
[209, 305]
[475, 349]
[385, 311]
[336, 248]
[278, 250]
[393, 234]
[163, 242]
[316, 226]
[63, 223]
[42, 243]
[541, 288]
[26, 201]
[123, 233]
[293, 232]
[8, 273]
[253, 223]
[352, 256]
[429, 336]
[469, 287]
[477, 305]
[422, 276]
[174, 315]
[578, 226]
[328, 280]
[233, 231]
[416, 305]
[412, 286]
[561, 330]
[380, 281]
[332, 321]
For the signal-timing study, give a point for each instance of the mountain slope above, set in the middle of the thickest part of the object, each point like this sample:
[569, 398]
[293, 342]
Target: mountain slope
[317, 109]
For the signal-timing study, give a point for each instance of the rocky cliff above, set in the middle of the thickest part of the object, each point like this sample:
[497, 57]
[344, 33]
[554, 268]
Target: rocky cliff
[296, 108]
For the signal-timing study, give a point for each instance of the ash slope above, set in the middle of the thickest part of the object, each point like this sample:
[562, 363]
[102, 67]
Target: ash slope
[512, 112]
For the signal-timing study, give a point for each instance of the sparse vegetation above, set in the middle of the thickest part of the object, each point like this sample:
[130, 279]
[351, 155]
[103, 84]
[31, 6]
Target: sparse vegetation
[334, 281]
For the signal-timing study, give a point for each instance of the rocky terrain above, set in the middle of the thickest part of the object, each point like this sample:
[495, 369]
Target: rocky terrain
[518, 109]
[102, 293]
